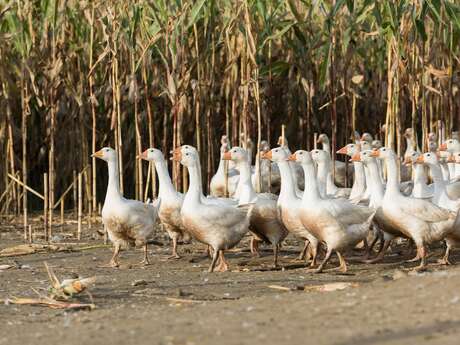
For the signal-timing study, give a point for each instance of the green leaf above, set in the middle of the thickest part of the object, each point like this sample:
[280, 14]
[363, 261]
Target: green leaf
[196, 9]
[277, 68]
[420, 25]
[350, 5]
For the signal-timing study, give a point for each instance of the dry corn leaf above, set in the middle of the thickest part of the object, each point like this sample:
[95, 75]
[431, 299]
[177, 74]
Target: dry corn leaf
[330, 286]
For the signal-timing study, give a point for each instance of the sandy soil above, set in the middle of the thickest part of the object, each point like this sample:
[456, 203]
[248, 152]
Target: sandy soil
[388, 304]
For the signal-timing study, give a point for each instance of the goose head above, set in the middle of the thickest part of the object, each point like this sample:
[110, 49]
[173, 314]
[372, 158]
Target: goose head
[264, 147]
[350, 149]
[450, 145]
[301, 156]
[412, 158]
[408, 133]
[236, 154]
[282, 141]
[432, 146]
[428, 158]
[455, 158]
[376, 144]
[323, 139]
[384, 153]
[364, 156]
[186, 155]
[365, 145]
[276, 155]
[152, 154]
[366, 137]
[432, 137]
[107, 154]
[320, 156]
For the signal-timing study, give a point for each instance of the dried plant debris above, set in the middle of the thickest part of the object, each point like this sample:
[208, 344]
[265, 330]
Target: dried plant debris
[60, 293]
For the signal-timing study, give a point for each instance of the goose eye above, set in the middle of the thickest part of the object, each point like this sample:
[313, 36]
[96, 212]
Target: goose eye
[300, 153]
[276, 150]
[428, 155]
[186, 154]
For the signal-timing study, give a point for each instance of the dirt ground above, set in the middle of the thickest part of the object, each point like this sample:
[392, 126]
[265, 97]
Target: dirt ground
[179, 303]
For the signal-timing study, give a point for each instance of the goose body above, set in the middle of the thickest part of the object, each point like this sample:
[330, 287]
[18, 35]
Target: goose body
[326, 183]
[219, 225]
[358, 189]
[336, 222]
[340, 168]
[127, 221]
[264, 222]
[442, 199]
[420, 189]
[171, 200]
[219, 184]
[289, 201]
[418, 219]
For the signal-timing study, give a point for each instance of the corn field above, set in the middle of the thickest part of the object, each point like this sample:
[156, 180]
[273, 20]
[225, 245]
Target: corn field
[79, 75]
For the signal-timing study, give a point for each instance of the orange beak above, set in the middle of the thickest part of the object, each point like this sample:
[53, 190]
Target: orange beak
[177, 154]
[227, 156]
[292, 158]
[407, 161]
[267, 155]
[420, 159]
[98, 154]
[451, 159]
[143, 155]
[356, 157]
[443, 147]
[375, 153]
[342, 151]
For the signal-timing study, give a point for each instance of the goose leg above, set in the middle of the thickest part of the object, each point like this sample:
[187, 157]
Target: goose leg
[421, 252]
[145, 261]
[303, 253]
[366, 249]
[445, 260]
[174, 249]
[254, 246]
[325, 260]
[114, 260]
[314, 254]
[343, 263]
[275, 255]
[223, 266]
[214, 260]
[381, 253]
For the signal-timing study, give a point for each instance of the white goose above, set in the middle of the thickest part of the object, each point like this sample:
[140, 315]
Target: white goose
[358, 189]
[386, 232]
[127, 221]
[421, 188]
[418, 219]
[442, 199]
[221, 226]
[264, 223]
[326, 183]
[340, 168]
[171, 200]
[289, 202]
[218, 181]
[336, 222]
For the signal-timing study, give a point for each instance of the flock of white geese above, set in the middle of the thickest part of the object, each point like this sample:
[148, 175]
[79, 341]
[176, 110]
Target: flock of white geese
[416, 197]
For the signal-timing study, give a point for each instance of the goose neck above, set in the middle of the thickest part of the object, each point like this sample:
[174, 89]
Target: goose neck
[113, 187]
[195, 189]
[287, 181]
[166, 187]
[311, 192]
[393, 177]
